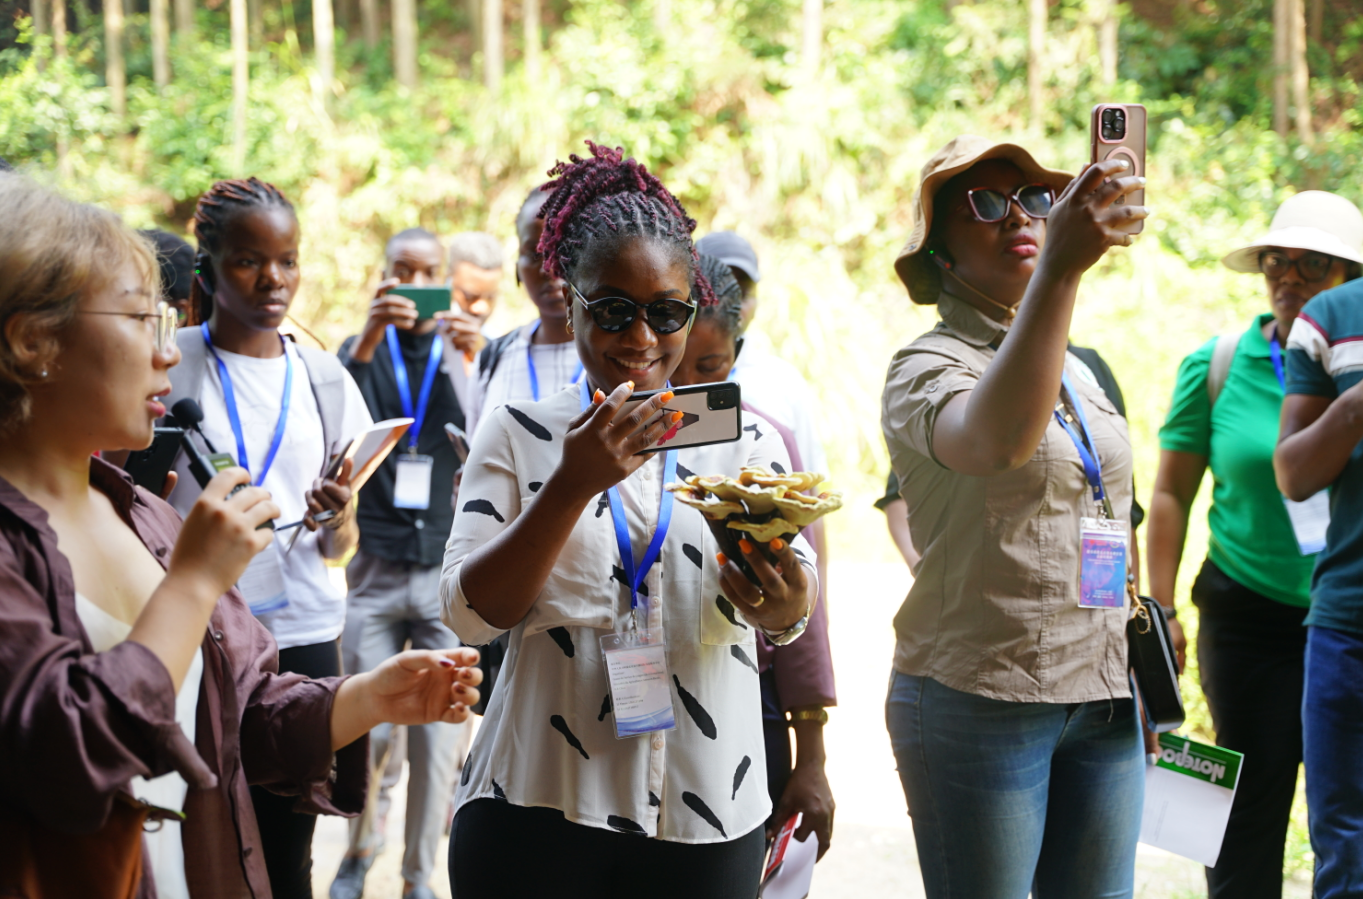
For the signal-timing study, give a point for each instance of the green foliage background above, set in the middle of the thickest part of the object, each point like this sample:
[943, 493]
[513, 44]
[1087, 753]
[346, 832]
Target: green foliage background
[818, 172]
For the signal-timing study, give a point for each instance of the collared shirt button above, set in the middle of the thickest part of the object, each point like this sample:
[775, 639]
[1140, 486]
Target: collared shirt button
[217, 635]
[420, 524]
[931, 388]
[161, 551]
[657, 742]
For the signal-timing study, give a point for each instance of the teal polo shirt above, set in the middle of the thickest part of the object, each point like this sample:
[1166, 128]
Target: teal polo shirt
[1252, 539]
[1325, 358]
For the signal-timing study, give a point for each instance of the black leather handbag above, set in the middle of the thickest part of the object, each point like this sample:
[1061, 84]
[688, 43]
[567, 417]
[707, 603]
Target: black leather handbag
[1154, 664]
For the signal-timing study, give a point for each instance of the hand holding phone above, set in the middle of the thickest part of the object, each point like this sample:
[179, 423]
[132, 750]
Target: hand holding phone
[710, 413]
[1117, 131]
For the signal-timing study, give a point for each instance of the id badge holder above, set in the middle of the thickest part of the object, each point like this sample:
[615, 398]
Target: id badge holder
[412, 487]
[1102, 563]
[641, 693]
[262, 583]
[1310, 520]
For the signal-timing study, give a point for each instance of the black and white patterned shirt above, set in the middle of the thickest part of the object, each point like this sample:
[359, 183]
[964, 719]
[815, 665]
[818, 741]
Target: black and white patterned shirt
[548, 738]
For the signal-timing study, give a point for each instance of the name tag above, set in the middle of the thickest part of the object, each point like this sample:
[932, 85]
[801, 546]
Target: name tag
[641, 695]
[1102, 563]
[1310, 520]
[262, 583]
[412, 489]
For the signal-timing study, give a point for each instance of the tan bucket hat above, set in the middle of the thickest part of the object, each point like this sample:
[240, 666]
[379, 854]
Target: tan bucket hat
[914, 267]
[1312, 220]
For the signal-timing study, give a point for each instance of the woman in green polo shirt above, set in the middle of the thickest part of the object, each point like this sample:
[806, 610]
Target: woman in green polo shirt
[1254, 587]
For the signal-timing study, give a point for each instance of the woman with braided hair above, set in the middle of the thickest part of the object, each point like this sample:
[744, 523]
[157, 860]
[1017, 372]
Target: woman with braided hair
[565, 539]
[284, 412]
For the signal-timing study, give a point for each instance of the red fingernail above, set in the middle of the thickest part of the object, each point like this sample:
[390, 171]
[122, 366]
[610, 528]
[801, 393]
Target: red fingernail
[721, 559]
[446, 663]
[777, 545]
[744, 545]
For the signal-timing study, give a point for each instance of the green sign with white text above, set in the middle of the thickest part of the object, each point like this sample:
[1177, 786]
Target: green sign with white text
[1210, 763]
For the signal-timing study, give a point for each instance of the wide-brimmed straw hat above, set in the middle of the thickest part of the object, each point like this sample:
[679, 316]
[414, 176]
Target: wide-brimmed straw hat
[1312, 220]
[914, 267]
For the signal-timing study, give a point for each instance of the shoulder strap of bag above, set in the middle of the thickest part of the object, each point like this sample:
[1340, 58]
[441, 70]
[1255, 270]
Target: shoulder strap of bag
[1222, 354]
[326, 376]
[186, 379]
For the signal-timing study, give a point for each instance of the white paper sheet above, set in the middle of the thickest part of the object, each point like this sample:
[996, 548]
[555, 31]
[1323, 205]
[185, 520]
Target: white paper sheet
[1188, 796]
[1310, 520]
[795, 874]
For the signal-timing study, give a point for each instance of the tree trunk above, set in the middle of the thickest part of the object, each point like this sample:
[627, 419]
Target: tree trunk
[530, 18]
[1282, 31]
[475, 13]
[1036, 45]
[1107, 41]
[115, 75]
[1301, 75]
[369, 22]
[811, 43]
[160, 42]
[38, 10]
[1316, 20]
[493, 68]
[59, 28]
[184, 18]
[404, 41]
[324, 48]
[241, 84]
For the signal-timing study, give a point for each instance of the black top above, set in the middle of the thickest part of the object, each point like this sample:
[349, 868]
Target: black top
[416, 536]
[1106, 380]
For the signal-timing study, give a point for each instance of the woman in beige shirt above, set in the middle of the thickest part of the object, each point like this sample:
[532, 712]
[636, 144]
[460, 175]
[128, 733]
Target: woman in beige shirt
[1010, 711]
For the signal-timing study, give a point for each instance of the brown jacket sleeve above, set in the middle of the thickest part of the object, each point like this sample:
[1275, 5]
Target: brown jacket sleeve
[286, 723]
[75, 726]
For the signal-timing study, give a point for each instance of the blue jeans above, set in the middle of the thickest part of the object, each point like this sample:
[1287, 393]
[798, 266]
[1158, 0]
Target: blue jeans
[1332, 743]
[1012, 797]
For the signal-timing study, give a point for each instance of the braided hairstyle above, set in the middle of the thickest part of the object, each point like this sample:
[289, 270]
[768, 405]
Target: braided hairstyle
[727, 312]
[602, 201]
[223, 202]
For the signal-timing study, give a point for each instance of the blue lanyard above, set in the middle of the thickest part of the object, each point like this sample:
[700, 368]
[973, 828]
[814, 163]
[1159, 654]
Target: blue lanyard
[1276, 352]
[229, 397]
[622, 540]
[530, 362]
[405, 389]
[1093, 467]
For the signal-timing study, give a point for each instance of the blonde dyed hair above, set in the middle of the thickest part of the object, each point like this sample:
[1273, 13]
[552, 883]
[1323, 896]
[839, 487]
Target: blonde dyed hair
[53, 253]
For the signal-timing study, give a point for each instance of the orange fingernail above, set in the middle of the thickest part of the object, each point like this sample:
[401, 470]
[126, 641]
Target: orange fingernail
[667, 396]
[598, 397]
[677, 416]
[777, 545]
[721, 559]
[631, 385]
[744, 545]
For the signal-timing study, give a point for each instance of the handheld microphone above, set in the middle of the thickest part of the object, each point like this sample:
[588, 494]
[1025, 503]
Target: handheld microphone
[203, 467]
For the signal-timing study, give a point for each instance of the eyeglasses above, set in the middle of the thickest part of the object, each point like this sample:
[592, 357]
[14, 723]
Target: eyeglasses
[989, 205]
[165, 321]
[615, 314]
[1312, 267]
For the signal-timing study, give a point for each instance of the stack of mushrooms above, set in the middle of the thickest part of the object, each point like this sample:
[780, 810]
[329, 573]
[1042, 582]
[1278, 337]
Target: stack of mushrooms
[760, 502]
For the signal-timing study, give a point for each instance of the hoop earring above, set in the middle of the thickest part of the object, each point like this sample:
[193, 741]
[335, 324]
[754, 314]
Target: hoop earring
[569, 323]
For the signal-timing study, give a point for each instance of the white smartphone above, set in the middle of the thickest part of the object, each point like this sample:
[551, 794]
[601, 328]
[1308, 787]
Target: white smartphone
[711, 413]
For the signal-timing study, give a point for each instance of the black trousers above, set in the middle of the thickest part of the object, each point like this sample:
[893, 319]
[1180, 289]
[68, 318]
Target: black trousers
[1250, 649]
[504, 851]
[286, 835]
[776, 736]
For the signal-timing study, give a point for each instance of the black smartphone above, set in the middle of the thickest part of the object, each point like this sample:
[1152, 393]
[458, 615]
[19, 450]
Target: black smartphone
[150, 466]
[711, 413]
[459, 440]
[429, 300]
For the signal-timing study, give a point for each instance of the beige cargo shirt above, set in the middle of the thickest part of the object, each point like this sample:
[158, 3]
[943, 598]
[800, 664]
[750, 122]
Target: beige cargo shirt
[994, 609]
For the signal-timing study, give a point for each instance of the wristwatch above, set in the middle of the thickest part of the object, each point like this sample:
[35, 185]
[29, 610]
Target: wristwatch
[819, 715]
[781, 638]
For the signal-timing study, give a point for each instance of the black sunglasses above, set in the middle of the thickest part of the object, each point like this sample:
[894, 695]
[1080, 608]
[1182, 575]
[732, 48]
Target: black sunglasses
[1313, 267]
[989, 205]
[615, 314]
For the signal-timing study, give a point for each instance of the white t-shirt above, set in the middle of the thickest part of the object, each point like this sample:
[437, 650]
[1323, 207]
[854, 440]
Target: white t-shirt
[556, 366]
[774, 386]
[165, 848]
[316, 610]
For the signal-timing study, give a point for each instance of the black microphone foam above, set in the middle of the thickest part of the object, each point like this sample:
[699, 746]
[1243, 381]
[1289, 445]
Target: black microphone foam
[187, 413]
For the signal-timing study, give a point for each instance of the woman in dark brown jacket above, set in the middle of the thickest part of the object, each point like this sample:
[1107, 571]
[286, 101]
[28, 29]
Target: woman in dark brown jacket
[131, 672]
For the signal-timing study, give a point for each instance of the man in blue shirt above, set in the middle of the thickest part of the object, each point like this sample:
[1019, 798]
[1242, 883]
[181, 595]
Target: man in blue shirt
[1319, 446]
